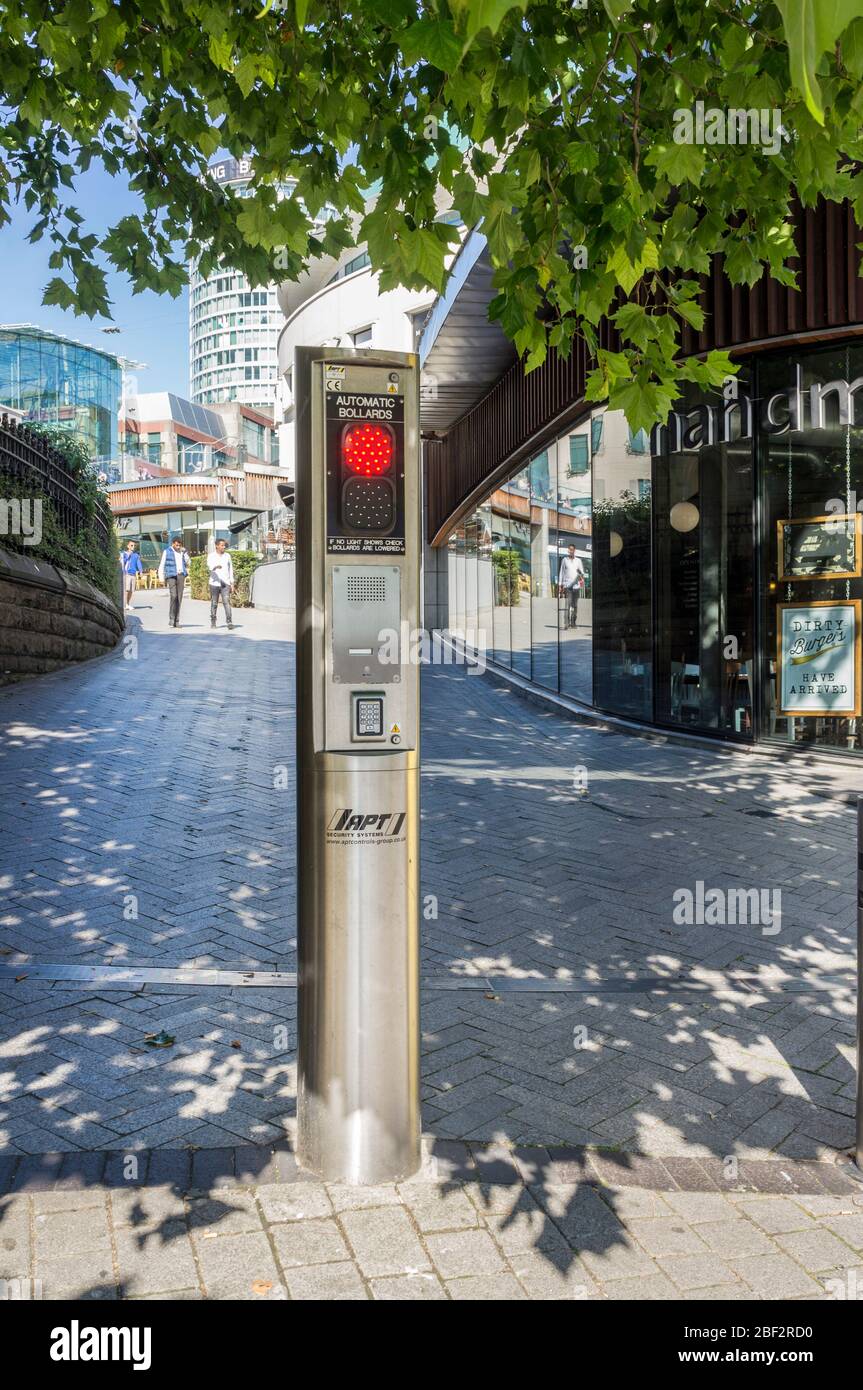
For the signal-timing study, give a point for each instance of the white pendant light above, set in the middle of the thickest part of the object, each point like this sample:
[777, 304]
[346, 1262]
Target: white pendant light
[684, 516]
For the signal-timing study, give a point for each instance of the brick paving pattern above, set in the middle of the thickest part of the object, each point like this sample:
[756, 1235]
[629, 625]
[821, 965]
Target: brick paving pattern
[149, 822]
[475, 1223]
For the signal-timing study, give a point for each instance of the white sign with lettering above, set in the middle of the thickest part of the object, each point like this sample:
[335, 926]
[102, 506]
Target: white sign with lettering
[818, 657]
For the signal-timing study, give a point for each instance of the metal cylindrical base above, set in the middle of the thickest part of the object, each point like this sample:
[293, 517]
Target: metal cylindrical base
[859, 1130]
[358, 927]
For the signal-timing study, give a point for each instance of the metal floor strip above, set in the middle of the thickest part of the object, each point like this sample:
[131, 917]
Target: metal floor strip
[134, 977]
[138, 975]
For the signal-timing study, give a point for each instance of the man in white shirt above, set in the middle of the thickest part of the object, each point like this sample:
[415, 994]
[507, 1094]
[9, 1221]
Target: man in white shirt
[569, 582]
[221, 568]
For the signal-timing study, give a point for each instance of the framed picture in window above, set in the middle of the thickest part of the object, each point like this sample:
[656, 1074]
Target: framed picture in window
[821, 547]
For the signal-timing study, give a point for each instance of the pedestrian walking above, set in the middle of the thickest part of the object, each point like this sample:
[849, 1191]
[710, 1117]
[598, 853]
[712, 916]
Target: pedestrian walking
[221, 568]
[173, 568]
[132, 567]
[569, 582]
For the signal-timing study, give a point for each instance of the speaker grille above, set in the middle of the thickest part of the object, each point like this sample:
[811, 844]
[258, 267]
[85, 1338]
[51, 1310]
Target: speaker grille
[367, 588]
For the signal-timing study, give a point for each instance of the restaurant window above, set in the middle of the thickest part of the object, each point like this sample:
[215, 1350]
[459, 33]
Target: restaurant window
[573, 575]
[518, 490]
[469, 618]
[810, 582]
[543, 603]
[505, 577]
[703, 567]
[485, 579]
[621, 615]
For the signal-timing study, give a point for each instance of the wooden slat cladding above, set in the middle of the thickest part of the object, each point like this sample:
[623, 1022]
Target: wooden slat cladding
[249, 491]
[521, 413]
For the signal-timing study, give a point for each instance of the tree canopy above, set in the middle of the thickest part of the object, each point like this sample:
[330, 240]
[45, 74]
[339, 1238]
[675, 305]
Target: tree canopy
[594, 142]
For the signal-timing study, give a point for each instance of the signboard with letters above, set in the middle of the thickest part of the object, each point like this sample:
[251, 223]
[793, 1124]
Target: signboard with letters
[365, 469]
[818, 658]
[821, 547]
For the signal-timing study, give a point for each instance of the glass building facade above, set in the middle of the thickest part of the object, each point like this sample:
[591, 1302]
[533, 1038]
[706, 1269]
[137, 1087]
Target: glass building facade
[233, 333]
[233, 327]
[55, 381]
[720, 583]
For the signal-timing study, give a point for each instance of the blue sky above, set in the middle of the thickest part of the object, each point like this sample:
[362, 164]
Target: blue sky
[155, 328]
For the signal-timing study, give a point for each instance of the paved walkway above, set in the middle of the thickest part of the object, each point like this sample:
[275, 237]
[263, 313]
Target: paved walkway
[149, 824]
[475, 1223]
[149, 828]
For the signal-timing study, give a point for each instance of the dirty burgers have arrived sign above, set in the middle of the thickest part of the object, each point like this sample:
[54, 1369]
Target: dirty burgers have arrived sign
[818, 657]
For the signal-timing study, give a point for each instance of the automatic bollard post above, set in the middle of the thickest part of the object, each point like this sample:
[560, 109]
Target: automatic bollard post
[358, 547]
[858, 1147]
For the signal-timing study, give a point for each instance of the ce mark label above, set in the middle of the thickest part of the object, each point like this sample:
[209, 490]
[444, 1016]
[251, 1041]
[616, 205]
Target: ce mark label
[335, 378]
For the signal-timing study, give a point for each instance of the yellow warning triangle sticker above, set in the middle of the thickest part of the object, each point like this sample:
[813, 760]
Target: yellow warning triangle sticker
[394, 729]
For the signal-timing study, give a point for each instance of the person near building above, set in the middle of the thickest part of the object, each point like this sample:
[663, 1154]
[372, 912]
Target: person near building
[132, 567]
[570, 581]
[173, 569]
[221, 568]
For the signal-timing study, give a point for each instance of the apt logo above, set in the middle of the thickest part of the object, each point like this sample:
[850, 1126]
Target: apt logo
[380, 824]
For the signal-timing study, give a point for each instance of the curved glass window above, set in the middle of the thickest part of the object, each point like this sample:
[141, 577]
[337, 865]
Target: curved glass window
[706, 577]
[60, 383]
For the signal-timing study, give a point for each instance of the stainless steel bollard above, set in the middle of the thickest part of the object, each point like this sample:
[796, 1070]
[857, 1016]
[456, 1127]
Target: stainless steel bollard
[858, 1147]
[358, 548]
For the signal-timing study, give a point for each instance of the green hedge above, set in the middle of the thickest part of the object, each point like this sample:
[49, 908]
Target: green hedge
[507, 568]
[245, 564]
[84, 556]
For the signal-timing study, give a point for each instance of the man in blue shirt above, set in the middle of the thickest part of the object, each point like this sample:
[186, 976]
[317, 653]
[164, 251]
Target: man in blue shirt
[173, 568]
[132, 567]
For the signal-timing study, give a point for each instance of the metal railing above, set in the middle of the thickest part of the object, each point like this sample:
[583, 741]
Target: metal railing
[29, 459]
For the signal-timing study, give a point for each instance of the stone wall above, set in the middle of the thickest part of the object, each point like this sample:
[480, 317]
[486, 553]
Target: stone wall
[49, 619]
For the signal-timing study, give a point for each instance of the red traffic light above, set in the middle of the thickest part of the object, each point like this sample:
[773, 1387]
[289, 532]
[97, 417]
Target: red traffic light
[368, 449]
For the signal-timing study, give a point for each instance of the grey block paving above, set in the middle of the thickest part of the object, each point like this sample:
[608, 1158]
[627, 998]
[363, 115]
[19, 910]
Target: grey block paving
[148, 831]
[134, 845]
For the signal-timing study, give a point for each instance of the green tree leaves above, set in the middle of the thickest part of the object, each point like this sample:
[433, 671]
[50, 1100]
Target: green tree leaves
[628, 271]
[566, 133]
[486, 14]
[433, 41]
[811, 28]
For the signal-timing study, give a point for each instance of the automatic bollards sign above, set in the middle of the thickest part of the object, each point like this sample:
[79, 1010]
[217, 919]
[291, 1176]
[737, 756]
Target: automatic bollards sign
[365, 471]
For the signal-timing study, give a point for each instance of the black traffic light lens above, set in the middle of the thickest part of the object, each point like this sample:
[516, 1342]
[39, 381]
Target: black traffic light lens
[369, 504]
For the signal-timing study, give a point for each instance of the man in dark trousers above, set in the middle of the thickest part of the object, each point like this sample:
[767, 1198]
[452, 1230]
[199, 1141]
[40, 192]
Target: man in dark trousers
[221, 568]
[173, 568]
[570, 580]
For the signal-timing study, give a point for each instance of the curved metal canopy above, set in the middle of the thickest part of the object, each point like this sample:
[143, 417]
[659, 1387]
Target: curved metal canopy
[461, 353]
